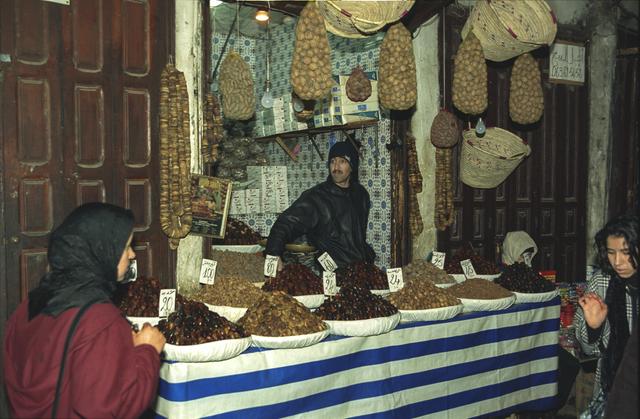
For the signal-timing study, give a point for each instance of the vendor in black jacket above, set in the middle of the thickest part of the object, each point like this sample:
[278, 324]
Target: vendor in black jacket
[333, 214]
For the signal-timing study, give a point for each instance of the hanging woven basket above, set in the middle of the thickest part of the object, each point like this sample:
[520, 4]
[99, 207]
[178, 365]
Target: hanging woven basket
[485, 162]
[359, 19]
[508, 28]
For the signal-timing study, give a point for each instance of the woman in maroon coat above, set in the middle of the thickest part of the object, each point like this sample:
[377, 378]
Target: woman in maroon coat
[105, 369]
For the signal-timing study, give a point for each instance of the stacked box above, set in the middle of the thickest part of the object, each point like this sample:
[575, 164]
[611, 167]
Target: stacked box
[245, 201]
[278, 119]
[273, 187]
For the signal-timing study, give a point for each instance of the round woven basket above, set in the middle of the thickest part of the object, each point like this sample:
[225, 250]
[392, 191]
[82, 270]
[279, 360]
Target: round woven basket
[358, 19]
[508, 28]
[487, 161]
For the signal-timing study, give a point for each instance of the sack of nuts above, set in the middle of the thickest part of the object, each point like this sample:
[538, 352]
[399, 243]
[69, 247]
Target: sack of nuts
[358, 86]
[445, 131]
[470, 77]
[526, 102]
[311, 65]
[397, 86]
[236, 86]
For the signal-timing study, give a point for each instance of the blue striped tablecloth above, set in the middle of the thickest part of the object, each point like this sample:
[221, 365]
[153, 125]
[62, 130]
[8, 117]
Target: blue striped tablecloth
[477, 364]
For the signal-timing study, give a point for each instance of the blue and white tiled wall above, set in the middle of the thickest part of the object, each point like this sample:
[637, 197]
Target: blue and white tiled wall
[311, 169]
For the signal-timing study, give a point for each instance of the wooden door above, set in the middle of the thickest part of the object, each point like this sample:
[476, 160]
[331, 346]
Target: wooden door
[78, 124]
[546, 195]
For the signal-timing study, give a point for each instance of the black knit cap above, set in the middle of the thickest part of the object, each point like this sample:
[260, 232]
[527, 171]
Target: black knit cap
[345, 150]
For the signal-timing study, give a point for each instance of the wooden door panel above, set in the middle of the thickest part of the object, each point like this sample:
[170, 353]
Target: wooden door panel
[89, 124]
[31, 29]
[88, 49]
[34, 121]
[137, 128]
[138, 198]
[90, 190]
[136, 32]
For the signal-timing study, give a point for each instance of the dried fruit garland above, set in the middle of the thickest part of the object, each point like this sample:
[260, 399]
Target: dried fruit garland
[444, 212]
[213, 129]
[415, 186]
[175, 156]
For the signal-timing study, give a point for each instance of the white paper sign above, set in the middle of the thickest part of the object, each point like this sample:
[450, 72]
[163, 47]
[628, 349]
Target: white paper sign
[208, 271]
[527, 258]
[327, 263]
[437, 259]
[467, 268]
[567, 63]
[271, 266]
[394, 276]
[167, 303]
[329, 283]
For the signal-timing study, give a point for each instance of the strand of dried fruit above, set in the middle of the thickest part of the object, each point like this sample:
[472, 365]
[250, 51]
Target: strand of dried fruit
[415, 186]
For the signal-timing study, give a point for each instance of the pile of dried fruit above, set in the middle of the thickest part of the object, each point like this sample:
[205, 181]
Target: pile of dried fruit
[421, 270]
[140, 298]
[397, 87]
[526, 102]
[363, 274]
[192, 323]
[239, 265]
[479, 289]
[229, 291]
[279, 314]
[354, 302]
[238, 233]
[480, 264]
[295, 279]
[422, 295]
[521, 278]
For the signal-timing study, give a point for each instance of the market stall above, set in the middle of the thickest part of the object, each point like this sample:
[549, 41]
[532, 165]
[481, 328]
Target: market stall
[474, 364]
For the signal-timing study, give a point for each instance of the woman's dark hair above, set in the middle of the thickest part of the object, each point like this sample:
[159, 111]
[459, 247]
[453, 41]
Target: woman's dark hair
[625, 226]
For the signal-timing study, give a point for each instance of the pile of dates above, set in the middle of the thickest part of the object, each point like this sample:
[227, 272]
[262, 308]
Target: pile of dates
[279, 314]
[363, 274]
[229, 291]
[479, 289]
[192, 324]
[422, 295]
[521, 278]
[139, 298]
[354, 302]
[480, 264]
[238, 233]
[295, 279]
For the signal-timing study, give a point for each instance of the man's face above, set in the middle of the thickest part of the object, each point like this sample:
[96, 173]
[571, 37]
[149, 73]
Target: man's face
[340, 171]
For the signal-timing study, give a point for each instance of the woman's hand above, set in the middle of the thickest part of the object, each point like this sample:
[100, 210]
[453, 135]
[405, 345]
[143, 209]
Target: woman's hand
[595, 310]
[149, 335]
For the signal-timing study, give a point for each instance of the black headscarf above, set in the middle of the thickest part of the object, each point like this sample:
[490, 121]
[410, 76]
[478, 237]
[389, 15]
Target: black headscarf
[83, 254]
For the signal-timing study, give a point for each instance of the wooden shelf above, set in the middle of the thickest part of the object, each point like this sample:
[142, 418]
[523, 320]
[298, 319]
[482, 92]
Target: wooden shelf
[315, 131]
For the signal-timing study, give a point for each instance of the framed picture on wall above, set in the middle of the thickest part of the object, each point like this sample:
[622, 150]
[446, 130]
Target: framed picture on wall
[210, 202]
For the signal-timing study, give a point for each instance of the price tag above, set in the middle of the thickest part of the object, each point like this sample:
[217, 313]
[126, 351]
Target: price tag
[271, 266]
[329, 283]
[167, 303]
[394, 276]
[467, 268]
[208, 271]
[527, 258]
[327, 263]
[437, 259]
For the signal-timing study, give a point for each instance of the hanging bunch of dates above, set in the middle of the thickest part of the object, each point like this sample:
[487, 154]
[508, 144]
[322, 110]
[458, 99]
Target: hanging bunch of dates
[295, 279]
[192, 324]
[355, 302]
[363, 274]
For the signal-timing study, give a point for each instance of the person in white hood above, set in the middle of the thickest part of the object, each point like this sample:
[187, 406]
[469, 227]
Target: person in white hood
[518, 246]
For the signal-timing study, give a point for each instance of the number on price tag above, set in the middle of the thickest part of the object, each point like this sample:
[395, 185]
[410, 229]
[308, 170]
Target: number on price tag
[467, 268]
[437, 259]
[394, 276]
[327, 263]
[167, 303]
[208, 271]
[329, 283]
[271, 266]
[527, 258]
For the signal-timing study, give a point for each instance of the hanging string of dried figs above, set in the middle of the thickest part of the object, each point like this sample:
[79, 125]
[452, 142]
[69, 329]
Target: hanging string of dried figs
[213, 132]
[175, 156]
[415, 186]
[444, 135]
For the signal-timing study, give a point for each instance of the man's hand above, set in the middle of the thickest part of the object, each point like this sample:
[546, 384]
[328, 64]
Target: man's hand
[149, 335]
[595, 310]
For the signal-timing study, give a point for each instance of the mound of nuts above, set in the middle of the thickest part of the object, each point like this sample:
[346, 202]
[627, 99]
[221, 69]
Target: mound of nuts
[522, 278]
[229, 291]
[363, 274]
[358, 86]
[526, 102]
[249, 266]
[295, 279]
[397, 86]
[354, 302]
[421, 270]
[279, 314]
[192, 324]
[236, 86]
[470, 77]
[479, 289]
[311, 65]
[481, 265]
[422, 295]
[445, 132]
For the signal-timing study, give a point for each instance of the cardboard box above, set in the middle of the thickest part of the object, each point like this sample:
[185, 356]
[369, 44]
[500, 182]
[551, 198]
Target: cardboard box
[274, 190]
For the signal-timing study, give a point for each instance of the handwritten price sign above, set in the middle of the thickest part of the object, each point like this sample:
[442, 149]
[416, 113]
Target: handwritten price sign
[208, 271]
[467, 268]
[394, 276]
[167, 303]
[437, 259]
[327, 263]
[329, 283]
[271, 266]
